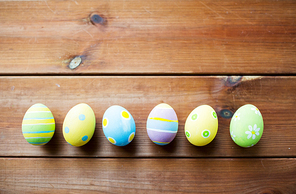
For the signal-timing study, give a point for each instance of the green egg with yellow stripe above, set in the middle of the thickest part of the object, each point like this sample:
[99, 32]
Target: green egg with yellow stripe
[38, 125]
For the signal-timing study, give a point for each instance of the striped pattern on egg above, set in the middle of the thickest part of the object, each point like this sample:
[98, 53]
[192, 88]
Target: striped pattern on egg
[162, 124]
[38, 125]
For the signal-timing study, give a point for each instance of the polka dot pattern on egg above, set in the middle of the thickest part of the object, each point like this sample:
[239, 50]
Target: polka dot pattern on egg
[201, 130]
[131, 137]
[112, 140]
[105, 122]
[125, 114]
[214, 114]
[194, 117]
[187, 134]
[82, 117]
[118, 125]
[205, 133]
[79, 125]
[84, 138]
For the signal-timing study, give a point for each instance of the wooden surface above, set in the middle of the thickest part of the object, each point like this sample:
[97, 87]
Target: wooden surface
[139, 95]
[158, 36]
[42, 175]
[138, 54]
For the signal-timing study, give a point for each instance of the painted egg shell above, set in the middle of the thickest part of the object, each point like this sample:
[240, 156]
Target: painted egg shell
[201, 125]
[162, 124]
[118, 125]
[79, 125]
[246, 126]
[38, 125]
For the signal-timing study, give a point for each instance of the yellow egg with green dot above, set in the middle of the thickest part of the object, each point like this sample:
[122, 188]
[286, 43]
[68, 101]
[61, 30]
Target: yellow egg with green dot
[201, 125]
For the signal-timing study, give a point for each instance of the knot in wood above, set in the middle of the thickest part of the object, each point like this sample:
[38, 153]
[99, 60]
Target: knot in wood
[96, 19]
[75, 62]
[225, 113]
[233, 80]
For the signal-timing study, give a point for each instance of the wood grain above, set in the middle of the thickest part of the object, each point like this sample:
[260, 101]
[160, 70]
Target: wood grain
[33, 175]
[122, 44]
[155, 37]
[274, 96]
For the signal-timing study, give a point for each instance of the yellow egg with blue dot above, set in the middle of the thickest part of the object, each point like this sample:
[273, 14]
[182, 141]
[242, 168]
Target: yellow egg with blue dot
[38, 125]
[118, 125]
[79, 125]
[201, 125]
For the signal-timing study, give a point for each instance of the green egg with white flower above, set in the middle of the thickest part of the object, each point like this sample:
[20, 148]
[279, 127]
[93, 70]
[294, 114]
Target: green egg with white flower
[246, 126]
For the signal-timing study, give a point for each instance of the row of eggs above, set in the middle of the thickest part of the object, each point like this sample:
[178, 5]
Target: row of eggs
[201, 126]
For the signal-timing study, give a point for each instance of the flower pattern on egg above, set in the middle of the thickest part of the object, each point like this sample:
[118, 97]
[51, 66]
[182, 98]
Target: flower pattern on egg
[253, 131]
[250, 146]
[232, 135]
[257, 112]
[237, 117]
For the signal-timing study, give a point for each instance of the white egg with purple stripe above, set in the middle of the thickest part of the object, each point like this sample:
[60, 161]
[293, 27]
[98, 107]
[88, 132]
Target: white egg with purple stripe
[118, 126]
[162, 124]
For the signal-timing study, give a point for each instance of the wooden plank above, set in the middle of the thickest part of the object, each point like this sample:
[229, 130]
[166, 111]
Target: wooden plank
[193, 37]
[274, 96]
[37, 175]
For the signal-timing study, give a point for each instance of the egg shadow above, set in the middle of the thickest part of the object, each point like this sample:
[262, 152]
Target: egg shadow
[53, 147]
[164, 150]
[91, 148]
[130, 149]
[254, 151]
[207, 150]
[169, 148]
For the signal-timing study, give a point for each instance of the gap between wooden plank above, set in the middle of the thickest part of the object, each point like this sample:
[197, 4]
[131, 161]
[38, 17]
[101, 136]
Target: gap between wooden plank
[142, 74]
[151, 157]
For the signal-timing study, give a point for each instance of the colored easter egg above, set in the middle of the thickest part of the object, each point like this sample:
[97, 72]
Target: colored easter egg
[38, 125]
[79, 125]
[118, 125]
[201, 125]
[162, 124]
[246, 126]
